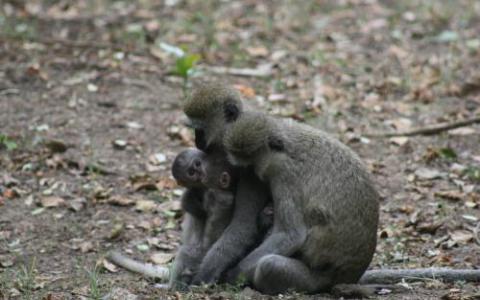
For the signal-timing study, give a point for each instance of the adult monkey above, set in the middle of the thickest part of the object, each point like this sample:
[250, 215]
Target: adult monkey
[302, 226]
[325, 205]
[209, 109]
[308, 249]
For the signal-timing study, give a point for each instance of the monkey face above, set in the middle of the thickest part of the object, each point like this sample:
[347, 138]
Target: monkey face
[211, 107]
[189, 168]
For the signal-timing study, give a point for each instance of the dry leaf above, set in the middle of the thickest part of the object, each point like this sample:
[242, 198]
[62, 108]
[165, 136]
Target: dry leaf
[166, 183]
[10, 193]
[257, 51]
[461, 236]
[109, 266]
[86, 247]
[157, 158]
[145, 225]
[245, 90]
[400, 141]
[160, 258]
[116, 231]
[145, 205]
[450, 195]
[428, 227]
[428, 174]
[78, 204]
[121, 201]
[52, 201]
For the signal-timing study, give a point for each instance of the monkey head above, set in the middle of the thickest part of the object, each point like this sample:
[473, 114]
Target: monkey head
[253, 139]
[210, 108]
[188, 168]
[193, 168]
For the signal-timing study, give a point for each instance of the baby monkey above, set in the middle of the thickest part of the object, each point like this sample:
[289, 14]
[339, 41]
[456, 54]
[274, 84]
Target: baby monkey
[208, 203]
[210, 181]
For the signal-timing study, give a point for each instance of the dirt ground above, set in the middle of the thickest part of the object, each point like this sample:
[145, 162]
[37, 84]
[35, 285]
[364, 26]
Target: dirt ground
[90, 121]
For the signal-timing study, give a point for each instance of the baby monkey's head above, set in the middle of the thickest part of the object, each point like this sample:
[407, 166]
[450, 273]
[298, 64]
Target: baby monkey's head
[193, 168]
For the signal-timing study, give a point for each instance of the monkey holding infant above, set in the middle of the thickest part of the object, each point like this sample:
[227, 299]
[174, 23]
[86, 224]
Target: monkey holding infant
[325, 205]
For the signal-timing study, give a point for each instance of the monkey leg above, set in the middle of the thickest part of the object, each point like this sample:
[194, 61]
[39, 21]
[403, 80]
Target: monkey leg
[277, 274]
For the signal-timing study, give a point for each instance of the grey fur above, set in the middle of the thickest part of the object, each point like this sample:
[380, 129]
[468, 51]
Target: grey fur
[208, 209]
[325, 205]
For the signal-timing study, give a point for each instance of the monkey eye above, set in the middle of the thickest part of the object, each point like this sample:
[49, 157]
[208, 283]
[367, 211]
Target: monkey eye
[197, 163]
[191, 172]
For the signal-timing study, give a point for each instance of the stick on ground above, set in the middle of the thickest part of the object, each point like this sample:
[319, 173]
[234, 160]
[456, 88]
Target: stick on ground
[429, 130]
[384, 276]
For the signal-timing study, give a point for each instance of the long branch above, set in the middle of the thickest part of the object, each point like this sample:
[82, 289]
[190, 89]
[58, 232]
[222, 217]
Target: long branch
[384, 276]
[429, 130]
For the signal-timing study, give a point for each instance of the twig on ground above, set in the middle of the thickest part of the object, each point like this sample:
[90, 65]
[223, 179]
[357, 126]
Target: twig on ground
[260, 71]
[429, 130]
[90, 45]
[383, 276]
[139, 83]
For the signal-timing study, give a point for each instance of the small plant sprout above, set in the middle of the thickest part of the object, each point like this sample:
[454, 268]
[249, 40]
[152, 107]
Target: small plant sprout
[7, 143]
[184, 64]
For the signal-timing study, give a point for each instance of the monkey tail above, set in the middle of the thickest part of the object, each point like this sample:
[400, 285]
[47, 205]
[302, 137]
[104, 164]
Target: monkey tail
[146, 269]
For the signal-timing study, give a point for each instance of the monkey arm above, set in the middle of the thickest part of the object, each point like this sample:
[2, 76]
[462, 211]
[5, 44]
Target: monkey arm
[240, 235]
[288, 235]
[190, 254]
[192, 203]
[219, 206]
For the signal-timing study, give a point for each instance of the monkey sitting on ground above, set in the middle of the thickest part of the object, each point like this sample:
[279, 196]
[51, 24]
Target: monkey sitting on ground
[209, 204]
[325, 205]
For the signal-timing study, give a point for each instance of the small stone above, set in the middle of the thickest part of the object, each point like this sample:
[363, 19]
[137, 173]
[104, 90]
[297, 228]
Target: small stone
[120, 144]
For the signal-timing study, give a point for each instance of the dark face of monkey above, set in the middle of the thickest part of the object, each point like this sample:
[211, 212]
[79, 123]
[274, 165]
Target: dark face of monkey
[211, 107]
[194, 168]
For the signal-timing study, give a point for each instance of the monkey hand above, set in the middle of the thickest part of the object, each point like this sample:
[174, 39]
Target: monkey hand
[206, 276]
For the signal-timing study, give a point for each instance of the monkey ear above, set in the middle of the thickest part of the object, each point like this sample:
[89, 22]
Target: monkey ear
[224, 180]
[231, 112]
[275, 143]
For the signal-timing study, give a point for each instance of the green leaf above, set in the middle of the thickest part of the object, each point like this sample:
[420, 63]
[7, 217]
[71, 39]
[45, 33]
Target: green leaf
[185, 64]
[474, 173]
[7, 142]
[447, 153]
